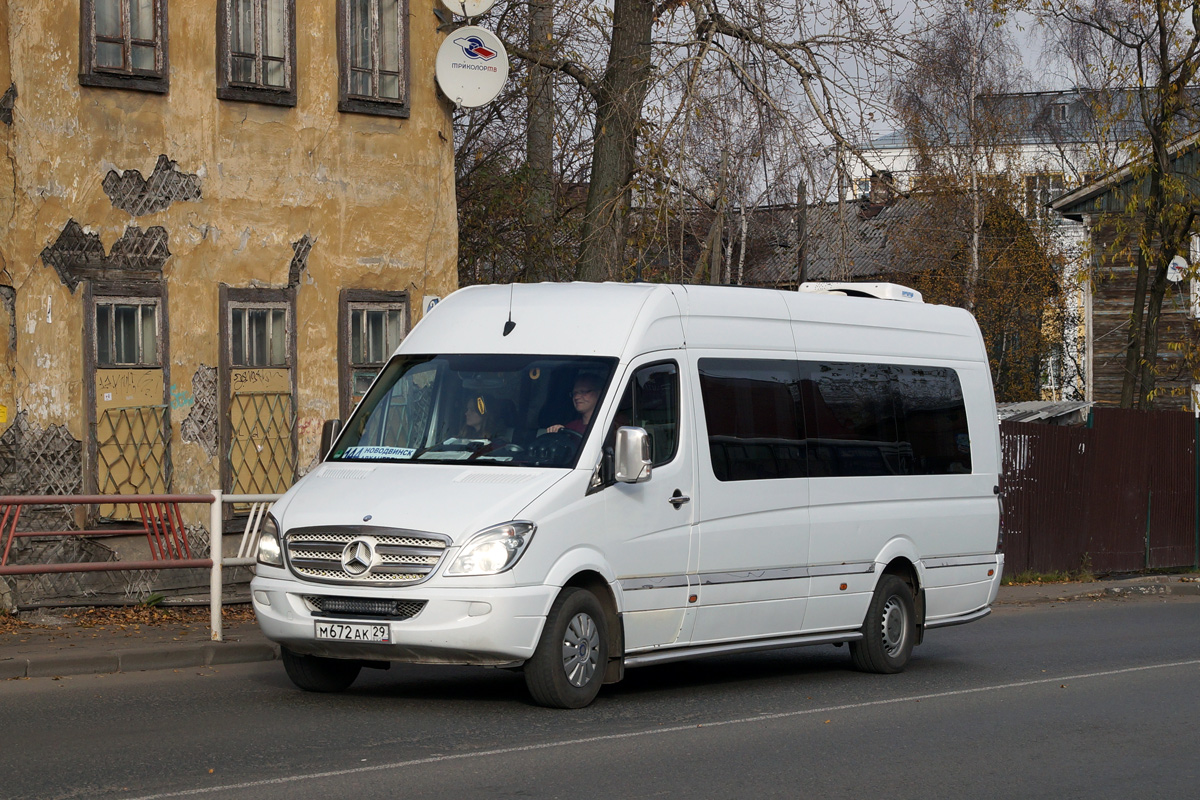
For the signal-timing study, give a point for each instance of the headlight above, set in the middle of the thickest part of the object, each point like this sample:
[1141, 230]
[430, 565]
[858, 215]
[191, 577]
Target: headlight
[493, 550]
[269, 551]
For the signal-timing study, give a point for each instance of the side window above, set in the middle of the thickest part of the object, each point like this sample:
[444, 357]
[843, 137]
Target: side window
[373, 57]
[884, 419]
[127, 332]
[755, 420]
[651, 401]
[853, 407]
[934, 419]
[256, 58]
[123, 44]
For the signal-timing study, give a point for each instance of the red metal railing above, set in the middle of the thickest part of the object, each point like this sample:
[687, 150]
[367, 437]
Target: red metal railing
[162, 525]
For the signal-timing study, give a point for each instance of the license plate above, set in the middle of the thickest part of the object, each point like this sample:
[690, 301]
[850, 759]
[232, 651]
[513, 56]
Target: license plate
[349, 632]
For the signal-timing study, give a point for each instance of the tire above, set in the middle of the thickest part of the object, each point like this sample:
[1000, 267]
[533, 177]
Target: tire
[567, 668]
[889, 631]
[317, 674]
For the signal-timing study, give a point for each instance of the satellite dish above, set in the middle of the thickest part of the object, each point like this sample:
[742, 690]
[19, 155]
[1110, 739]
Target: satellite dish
[472, 66]
[1176, 269]
[469, 8]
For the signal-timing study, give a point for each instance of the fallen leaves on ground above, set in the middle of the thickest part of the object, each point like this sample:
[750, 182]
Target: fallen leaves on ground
[124, 617]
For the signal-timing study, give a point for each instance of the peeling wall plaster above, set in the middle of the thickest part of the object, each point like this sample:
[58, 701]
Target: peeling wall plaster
[200, 424]
[130, 192]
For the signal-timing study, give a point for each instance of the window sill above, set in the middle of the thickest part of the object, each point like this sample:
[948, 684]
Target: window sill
[246, 94]
[376, 108]
[135, 83]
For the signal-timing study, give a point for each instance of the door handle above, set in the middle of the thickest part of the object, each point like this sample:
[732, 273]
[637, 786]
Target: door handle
[678, 499]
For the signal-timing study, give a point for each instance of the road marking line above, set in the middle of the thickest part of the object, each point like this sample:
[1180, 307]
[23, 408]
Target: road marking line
[658, 731]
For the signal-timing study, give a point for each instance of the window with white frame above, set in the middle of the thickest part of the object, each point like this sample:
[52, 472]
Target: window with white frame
[1040, 189]
[123, 44]
[127, 332]
[373, 56]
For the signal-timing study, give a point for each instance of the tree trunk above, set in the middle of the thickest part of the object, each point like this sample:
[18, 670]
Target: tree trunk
[1130, 379]
[618, 114]
[539, 149]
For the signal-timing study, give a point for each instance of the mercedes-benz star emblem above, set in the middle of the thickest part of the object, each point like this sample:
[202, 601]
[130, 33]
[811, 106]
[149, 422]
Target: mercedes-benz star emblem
[357, 557]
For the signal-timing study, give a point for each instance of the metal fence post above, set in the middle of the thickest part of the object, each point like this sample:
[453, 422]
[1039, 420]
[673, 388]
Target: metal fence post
[216, 553]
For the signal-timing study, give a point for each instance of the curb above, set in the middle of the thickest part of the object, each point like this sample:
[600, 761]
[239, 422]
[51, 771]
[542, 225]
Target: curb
[137, 659]
[1127, 588]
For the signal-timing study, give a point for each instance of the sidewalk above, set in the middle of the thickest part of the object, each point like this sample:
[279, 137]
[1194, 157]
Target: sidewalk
[58, 643]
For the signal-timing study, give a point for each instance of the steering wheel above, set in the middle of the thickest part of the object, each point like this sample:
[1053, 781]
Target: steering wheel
[554, 449]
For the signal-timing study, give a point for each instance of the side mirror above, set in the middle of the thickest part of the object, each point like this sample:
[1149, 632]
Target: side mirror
[329, 432]
[631, 455]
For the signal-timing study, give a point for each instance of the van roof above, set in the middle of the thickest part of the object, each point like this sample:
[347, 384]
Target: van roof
[605, 318]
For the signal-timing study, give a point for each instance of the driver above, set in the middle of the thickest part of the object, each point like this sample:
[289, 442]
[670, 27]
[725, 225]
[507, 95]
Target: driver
[585, 395]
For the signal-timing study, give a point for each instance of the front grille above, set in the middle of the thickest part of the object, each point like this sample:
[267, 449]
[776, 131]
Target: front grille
[393, 557]
[362, 607]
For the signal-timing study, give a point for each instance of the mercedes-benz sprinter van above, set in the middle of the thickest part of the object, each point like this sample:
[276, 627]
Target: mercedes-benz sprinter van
[573, 479]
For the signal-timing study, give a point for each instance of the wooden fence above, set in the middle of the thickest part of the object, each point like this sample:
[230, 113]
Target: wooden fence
[1118, 496]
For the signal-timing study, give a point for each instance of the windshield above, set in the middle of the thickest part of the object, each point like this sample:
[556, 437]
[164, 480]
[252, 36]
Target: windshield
[486, 409]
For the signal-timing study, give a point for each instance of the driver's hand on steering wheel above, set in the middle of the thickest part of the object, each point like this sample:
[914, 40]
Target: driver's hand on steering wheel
[555, 428]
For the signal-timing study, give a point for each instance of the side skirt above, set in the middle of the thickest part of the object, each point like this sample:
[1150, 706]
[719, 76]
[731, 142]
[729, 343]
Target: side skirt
[959, 620]
[681, 653]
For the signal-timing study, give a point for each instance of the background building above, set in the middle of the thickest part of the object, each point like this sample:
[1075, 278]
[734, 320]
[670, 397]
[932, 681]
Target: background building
[216, 222]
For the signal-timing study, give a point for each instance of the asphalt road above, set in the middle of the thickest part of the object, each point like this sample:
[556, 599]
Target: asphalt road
[1081, 699]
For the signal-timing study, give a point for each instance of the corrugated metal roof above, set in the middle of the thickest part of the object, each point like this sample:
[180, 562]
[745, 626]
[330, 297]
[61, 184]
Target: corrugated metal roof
[848, 240]
[1065, 412]
[1051, 118]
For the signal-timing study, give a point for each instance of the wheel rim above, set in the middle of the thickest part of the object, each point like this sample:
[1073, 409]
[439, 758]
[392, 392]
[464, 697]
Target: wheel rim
[581, 650]
[894, 626]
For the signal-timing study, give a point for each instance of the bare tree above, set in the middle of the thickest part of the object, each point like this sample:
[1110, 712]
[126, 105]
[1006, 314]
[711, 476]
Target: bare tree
[962, 57]
[812, 67]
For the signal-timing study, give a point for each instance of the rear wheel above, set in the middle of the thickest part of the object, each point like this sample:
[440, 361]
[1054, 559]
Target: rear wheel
[567, 668]
[889, 631]
[317, 674]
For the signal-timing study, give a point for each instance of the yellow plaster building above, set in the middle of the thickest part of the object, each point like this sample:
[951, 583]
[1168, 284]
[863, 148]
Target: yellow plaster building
[217, 219]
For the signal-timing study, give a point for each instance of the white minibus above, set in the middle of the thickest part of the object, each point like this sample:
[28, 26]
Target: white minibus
[573, 479]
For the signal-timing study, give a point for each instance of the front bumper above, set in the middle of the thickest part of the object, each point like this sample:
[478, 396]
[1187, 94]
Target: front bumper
[491, 627]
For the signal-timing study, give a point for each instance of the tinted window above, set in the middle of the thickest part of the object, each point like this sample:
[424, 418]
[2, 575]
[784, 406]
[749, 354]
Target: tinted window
[783, 419]
[885, 419]
[754, 417]
[934, 417]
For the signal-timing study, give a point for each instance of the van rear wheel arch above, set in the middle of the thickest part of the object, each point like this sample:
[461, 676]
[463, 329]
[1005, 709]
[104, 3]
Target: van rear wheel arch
[907, 572]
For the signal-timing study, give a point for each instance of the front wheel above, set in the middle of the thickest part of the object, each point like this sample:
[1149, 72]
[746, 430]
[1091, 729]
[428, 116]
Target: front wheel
[889, 631]
[317, 674]
[567, 667]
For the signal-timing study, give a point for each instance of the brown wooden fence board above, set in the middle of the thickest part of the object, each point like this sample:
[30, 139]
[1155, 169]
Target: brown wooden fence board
[1118, 496]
